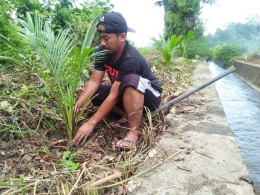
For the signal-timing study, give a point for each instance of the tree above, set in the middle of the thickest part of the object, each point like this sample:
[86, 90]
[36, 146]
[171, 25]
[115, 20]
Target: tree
[181, 16]
[23, 6]
[245, 35]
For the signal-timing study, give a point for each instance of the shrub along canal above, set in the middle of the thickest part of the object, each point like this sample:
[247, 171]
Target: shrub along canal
[241, 104]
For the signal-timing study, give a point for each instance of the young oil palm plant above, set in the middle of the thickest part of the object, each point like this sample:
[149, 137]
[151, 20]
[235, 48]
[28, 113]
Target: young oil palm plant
[184, 43]
[62, 63]
[167, 48]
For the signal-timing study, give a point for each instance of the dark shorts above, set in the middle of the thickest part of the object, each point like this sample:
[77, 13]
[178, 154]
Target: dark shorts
[152, 98]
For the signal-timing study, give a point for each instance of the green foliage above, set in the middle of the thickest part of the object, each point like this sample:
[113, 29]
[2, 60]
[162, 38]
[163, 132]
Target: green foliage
[5, 17]
[62, 63]
[89, 36]
[60, 14]
[246, 35]
[228, 52]
[199, 48]
[145, 51]
[23, 6]
[8, 34]
[184, 43]
[67, 161]
[80, 19]
[167, 48]
[5, 43]
[5, 39]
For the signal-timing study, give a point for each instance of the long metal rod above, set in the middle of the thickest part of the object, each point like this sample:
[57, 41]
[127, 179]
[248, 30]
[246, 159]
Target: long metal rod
[194, 90]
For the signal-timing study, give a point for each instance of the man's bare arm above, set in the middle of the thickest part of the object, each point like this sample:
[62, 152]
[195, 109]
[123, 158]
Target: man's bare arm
[107, 105]
[86, 129]
[90, 88]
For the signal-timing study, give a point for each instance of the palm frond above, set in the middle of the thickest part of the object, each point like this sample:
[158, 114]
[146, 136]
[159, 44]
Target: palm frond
[167, 48]
[174, 41]
[13, 60]
[52, 50]
[89, 36]
[6, 39]
[64, 63]
[185, 41]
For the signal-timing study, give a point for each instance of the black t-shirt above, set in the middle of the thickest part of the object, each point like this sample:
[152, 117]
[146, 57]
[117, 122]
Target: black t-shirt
[130, 62]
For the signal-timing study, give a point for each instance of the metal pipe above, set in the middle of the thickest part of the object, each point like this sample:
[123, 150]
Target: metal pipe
[194, 90]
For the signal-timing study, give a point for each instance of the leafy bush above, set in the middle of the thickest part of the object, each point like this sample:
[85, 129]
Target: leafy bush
[228, 52]
[244, 34]
[199, 48]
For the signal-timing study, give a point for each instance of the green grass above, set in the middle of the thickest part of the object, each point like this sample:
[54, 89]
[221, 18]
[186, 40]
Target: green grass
[146, 51]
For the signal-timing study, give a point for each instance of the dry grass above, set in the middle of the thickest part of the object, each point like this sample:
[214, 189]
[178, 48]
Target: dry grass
[252, 58]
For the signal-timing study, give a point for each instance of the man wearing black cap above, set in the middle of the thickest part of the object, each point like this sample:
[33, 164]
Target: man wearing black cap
[133, 83]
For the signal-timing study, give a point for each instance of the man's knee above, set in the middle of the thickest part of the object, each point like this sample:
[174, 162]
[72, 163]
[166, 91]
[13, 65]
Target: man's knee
[129, 90]
[129, 81]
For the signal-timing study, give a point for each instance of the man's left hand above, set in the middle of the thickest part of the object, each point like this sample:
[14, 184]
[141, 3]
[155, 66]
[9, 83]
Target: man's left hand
[83, 133]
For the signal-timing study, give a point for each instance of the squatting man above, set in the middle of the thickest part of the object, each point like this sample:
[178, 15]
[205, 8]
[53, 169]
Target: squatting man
[133, 85]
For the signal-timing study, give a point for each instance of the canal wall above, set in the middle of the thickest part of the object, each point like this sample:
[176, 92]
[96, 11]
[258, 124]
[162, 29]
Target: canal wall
[249, 73]
[220, 62]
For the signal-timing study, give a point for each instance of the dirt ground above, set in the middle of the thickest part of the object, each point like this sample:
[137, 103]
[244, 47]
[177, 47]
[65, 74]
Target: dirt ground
[208, 161]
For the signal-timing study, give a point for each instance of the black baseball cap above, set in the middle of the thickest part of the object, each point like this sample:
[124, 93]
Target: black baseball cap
[114, 22]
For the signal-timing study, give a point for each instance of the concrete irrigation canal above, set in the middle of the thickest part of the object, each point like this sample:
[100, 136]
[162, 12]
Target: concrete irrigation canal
[212, 155]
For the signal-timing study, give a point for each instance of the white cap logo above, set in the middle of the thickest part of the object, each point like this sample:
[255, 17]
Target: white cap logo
[102, 19]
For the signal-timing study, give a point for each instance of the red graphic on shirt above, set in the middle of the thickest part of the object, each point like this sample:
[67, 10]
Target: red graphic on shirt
[112, 73]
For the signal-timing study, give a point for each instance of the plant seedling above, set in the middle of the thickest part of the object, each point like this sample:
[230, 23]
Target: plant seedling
[67, 161]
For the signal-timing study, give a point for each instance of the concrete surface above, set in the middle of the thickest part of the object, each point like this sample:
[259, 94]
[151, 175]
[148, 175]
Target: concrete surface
[249, 73]
[209, 162]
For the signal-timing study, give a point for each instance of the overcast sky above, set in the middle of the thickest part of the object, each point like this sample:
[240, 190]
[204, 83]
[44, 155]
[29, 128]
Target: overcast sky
[148, 21]
[216, 16]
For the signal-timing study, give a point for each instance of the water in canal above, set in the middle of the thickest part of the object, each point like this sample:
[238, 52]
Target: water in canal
[241, 104]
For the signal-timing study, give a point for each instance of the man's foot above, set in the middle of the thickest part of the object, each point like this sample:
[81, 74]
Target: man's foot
[118, 123]
[129, 142]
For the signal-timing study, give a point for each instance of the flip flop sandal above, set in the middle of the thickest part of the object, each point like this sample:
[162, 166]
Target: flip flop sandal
[119, 123]
[120, 148]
